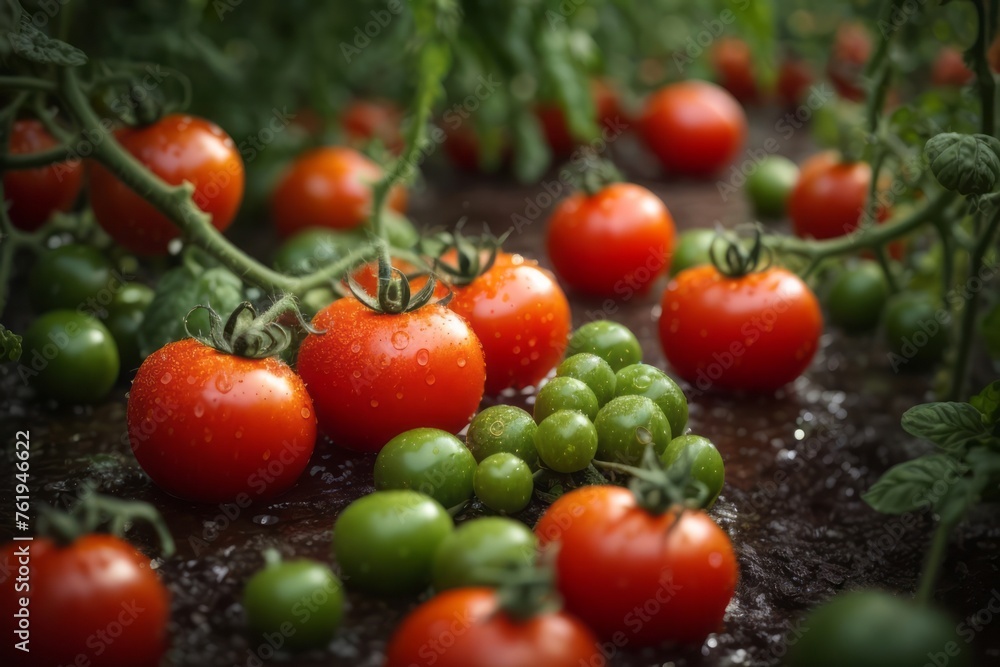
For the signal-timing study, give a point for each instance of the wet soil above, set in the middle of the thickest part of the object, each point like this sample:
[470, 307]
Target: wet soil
[797, 463]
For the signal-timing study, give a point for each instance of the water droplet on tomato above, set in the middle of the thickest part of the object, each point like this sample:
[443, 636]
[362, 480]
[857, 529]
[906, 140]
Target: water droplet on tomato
[374, 403]
[191, 379]
[496, 428]
[430, 379]
[223, 383]
[306, 413]
[400, 340]
[461, 362]
[167, 377]
[399, 394]
[715, 559]
[643, 436]
[199, 410]
[357, 374]
[423, 357]
[642, 382]
[356, 347]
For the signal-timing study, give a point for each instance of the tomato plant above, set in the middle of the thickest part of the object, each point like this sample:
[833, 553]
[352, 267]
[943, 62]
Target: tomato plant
[612, 242]
[694, 128]
[176, 148]
[830, 197]
[33, 195]
[428, 460]
[70, 356]
[616, 557]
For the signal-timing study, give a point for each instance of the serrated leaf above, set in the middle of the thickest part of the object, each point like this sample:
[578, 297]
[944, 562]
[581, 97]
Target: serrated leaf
[32, 44]
[909, 486]
[966, 163]
[10, 345]
[987, 402]
[948, 425]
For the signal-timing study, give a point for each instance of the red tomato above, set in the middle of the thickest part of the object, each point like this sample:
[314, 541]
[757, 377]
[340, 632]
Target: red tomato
[522, 318]
[373, 376]
[695, 128]
[208, 426]
[757, 332]
[35, 194]
[614, 243]
[176, 148]
[366, 120]
[328, 187]
[732, 62]
[95, 602]
[993, 55]
[852, 47]
[461, 145]
[465, 627]
[830, 196]
[554, 124]
[949, 69]
[795, 77]
[628, 573]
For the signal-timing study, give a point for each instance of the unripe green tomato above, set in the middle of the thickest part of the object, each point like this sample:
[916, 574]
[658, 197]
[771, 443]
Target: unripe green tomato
[857, 298]
[566, 441]
[593, 371]
[565, 393]
[704, 459]
[503, 428]
[609, 340]
[693, 247]
[71, 277]
[481, 551]
[70, 357]
[770, 184]
[123, 320]
[654, 384]
[504, 483]
[626, 426]
[427, 460]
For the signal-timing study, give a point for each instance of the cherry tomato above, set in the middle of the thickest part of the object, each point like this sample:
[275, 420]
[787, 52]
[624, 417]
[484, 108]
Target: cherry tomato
[593, 372]
[654, 384]
[949, 69]
[96, 598]
[693, 248]
[857, 297]
[770, 185]
[916, 330]
[626, 426]
[367, 120]
[521, 316]
[69, 356]
[563, 393]
[212, 427]
[608, 340]
[504, 483]
[73, 276]
[328, 187]
[614, 243]
[462, 147]
[503, 428]
[430, 461]
[695, 128]
[704, 459]
[852, 47]
[993, 55]
[795, 77]
[757, 332]
[830, 197]
[176, 148]
[126, 313]
[554, 124]
[35, 194]
[385, 542]
[566, 441]
[489, 637]
[374, 376]
[481, 551]
[650, 577]
[733, 65]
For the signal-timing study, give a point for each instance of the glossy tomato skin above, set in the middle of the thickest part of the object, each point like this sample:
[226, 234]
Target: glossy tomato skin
[614, 243]
[521, 316]
[615, 558]
[35, 194]
[97, 598]
[211, 427]
[367, 120]
[374, 376]
[176, 148]
[829, 197]
[489, 637]
[754, 333]
[695, 128]
[328, 187]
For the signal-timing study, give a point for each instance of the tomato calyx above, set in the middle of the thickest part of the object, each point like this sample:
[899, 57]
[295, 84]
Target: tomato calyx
[528, 590]
[393, 295]
[659, 488]
[247, 334]
[93, 510]
[595, 175]
[474, 256]
[738, 259]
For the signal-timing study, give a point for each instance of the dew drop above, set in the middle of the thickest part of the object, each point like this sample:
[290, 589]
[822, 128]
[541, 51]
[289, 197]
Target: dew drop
[199, 410]
[239, 434]
[400, 340]
[357, 374]
[265, 519]
[167, 377]
[223, 383]
[643, 436]
[430, 379]
[461, 362]
[496, 428]
[356, 347]
[642, 382]
[374, 403]
[399, 395]
[306, 413]
[191, 379]
[423, 357]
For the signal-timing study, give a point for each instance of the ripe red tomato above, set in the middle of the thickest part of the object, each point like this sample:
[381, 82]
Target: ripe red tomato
[35, 194]
[949, 69]
[208, 426]
[374, 375]
[328, 187]
[830, 196]
[614, 243]
[554, 124]
[852, 47]
[522, 318]
[732, 62]
[96, 599]
[366, 120]
[993, 55]
[461, 145]
[625, 571]
[176, 148]
[465, 627]
[795, 77]
[695, 128]
[756, 332]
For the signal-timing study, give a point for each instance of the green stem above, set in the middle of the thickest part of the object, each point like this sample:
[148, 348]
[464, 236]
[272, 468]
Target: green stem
[33, 160]
[985, 82]
[27, 83]
[883, 260]
[933, 563]
[942, 225]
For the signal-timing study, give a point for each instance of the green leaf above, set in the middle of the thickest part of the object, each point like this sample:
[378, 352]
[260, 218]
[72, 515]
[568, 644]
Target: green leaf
[32, 44]
[10, 345]
[988, 403]
[948, 425]
[568, 81]
[909, 486]
[966, 163]
[531, 152]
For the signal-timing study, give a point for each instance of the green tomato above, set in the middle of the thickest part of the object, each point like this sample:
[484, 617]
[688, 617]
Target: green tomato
[593, 371]
[72, 277]
[857, 297]
[875, 629]
[125, 315]
[609, 340]
[770, 184]
[300, 599]
[503, 428]
[693, 248]
[626, 426]
[313, 248]
[566, 441]
[504, 483]
[565, 393]
[70, 357]
[704, 460]
[916, 330]
[481, 551]
[430, 461]
[385, 542]
[651, 382]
